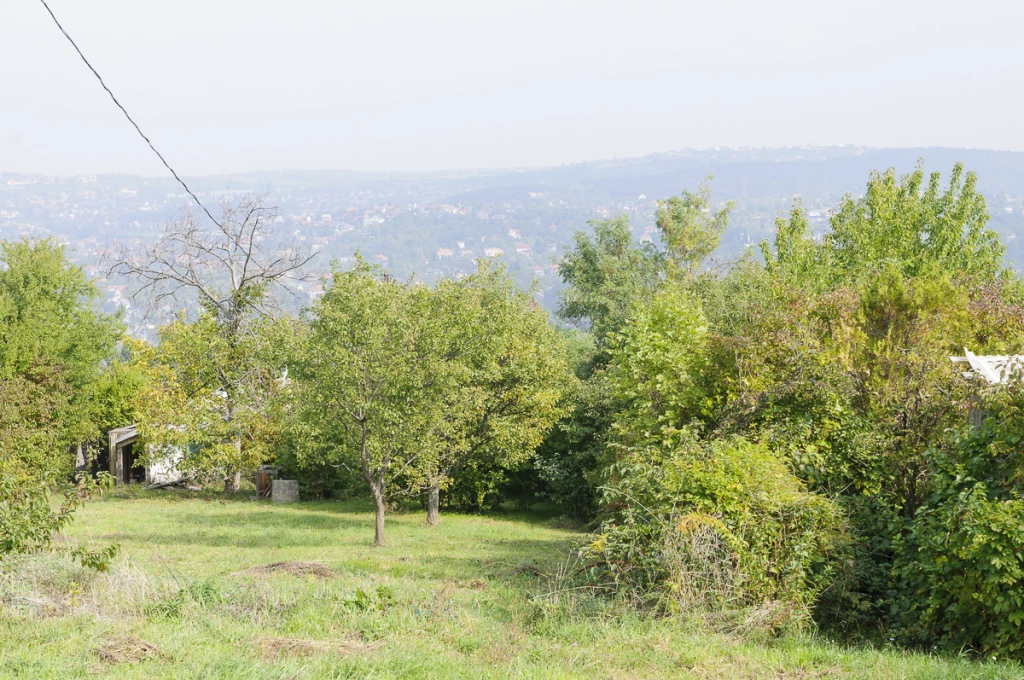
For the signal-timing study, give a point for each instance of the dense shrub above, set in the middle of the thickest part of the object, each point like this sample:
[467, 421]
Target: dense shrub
[960, 567]
[962, 574]
[719, 524]
[568, 462]
[318, 478]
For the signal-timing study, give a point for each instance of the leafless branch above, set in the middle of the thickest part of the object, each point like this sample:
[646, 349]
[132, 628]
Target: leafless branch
[232, 268]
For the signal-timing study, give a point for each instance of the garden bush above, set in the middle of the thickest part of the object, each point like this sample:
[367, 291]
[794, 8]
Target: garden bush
[714, 525]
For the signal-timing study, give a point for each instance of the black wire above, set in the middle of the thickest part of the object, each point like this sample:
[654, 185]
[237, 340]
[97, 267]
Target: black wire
[125, 112]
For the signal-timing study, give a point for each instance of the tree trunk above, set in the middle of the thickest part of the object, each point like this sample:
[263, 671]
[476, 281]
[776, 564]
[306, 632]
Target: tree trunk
[434, 504]
[378, 501]
[233, 482]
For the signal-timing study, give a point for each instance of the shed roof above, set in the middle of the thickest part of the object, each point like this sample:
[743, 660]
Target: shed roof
[124, 435]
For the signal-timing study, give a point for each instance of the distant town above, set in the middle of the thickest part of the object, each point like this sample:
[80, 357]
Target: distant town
[429, 226]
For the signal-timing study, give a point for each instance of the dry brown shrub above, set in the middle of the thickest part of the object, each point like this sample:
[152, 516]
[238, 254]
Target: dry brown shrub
[295, 568]
[128, 650]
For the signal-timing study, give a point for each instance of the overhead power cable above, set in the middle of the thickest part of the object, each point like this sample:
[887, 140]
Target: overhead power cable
[125, 112]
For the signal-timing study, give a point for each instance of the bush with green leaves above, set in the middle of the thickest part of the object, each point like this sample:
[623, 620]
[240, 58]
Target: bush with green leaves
[960, 566]
[52, 345]
[714, 525]
[29, 520]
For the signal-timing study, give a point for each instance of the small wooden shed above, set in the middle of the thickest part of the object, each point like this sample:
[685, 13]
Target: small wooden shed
[125, 460]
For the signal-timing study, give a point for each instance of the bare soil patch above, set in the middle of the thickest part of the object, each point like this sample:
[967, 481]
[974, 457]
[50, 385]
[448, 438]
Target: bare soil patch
[128, 650]
[275, 647]
[315, 569]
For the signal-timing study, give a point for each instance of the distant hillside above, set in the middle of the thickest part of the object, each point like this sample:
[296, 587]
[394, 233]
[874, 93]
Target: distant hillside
[826, 173]
[435, 224]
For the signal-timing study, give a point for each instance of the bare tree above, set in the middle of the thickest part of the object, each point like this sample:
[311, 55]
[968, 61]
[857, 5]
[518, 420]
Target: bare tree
[231, 266]
[235, 269]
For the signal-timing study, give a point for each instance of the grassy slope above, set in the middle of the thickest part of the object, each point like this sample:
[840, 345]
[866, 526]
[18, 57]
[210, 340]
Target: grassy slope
[447, 603]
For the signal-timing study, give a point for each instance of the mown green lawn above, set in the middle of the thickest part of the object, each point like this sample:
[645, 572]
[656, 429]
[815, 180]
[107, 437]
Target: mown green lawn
[470, 599]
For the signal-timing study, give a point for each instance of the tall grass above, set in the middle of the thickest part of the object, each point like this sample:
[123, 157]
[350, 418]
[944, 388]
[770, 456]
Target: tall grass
[496, 596]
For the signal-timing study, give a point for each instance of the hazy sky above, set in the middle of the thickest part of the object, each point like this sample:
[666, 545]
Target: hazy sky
[231, 85]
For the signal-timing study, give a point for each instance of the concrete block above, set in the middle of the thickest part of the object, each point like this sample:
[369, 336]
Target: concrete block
[284, 491]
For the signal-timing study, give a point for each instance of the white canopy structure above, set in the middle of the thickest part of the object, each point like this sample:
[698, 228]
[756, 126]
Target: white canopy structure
[994, 369]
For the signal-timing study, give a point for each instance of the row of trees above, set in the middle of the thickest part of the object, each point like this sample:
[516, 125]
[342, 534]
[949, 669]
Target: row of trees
[405, 386]
[416, 384]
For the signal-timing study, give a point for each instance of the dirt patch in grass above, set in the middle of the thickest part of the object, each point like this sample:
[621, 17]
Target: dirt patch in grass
[471, 584]
[274, 647]
[529, 570]
[315, 569]
[741, 672]
[128, 650]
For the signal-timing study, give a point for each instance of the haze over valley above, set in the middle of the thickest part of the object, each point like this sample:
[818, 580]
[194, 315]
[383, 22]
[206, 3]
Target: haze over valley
[432, 225]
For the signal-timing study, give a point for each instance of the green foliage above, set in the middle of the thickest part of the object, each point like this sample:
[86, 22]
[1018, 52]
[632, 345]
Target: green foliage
[416, 387]
[200, 594]
[52, 338]
[569, 461]
[830, 358]
[46, 314]
[960, 565]
[501, 373]
[772, 539]
[903, 222]
[845, 366]
[961, 570]
[367, 395]
[691, 228]
[309, 462]
[52, 343]
[607, 277]
[117, 393]
[655, 363]
[379, 599]
[214, 395]
[29, 520]
[34, 437]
